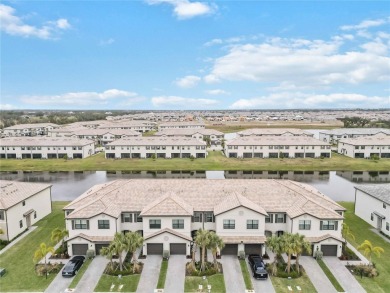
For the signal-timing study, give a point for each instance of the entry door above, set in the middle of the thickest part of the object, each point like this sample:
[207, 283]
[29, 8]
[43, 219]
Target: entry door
[28, 220]
[379, 223]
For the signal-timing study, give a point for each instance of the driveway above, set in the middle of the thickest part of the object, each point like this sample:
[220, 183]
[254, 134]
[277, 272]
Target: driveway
[260, 285]
[150, 273]
[316, 275]
[59, 284]
[176, 273]
[343, 276]
[234, 281]
[92, 275]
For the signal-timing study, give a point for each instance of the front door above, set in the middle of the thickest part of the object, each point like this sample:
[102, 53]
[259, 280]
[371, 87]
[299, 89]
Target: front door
[379, 223]
[28, 220]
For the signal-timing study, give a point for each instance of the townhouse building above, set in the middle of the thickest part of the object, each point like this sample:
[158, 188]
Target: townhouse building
[274, 132]
[181, 125]
[136, 125]
[22, 204]
[29, 129]
[365, 146]
[277, 147]
[45, 148]
[213, 135]
[372, 204]
[169, 212]
[104, 136]
[334, 135]
[160, 147]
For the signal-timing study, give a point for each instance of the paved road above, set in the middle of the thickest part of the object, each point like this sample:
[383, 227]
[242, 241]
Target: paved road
[59, 284]
[260, 285]
[150, 273]
[176, 274]
[341, 273]
[316, 275]
[234, 281]
[92, 275]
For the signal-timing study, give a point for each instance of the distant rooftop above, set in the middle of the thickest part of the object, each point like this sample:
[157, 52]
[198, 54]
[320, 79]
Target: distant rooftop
[276, 140]
[379, 191]
[274, 131]
[43, 141]
[138, 141]
[378, 139]
[356, 131]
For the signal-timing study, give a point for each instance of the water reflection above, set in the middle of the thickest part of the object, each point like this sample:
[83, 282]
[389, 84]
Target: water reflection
[367, 177]
[301, 176]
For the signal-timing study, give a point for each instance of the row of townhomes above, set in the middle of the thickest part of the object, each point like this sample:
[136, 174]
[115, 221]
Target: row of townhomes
[277, 147]
[365, 146]
[372, 204]
[29, 129]
[274, 132]
[22, 205]
[334, 135]
[45, 148]
[214, 136]
[160, 147]
[169, 212]
[181, 125]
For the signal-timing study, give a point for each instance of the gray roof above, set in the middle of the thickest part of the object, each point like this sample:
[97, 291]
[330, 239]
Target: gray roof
[276, 140]
[356, 131]
[379, 191]
[43, 141]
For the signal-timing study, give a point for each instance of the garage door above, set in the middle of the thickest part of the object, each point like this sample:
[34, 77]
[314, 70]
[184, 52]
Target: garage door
[230, 249]
[253, 249]
[155, 248]
[178, 248]
[79, 249]
[305, 253]
[329, 250]
[100, 246]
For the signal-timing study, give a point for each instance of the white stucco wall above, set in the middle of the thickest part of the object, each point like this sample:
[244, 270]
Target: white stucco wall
[315, 227]
[166, 222]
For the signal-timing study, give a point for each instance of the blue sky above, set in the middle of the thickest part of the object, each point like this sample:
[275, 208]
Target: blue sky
[182, 54]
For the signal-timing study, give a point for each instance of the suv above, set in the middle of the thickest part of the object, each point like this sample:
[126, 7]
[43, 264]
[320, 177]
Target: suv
[258, 266]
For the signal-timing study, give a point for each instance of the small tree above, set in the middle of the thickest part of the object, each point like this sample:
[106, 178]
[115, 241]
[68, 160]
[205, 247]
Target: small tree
[215, 243]
[346, 233]
[59, 234]
[202, 239]
[368, 249]
[41, 252]
[153, 157]
[290, 247]
[133, 241]
[108, 252]
[118, 245]
[302, 245]
[276, 245]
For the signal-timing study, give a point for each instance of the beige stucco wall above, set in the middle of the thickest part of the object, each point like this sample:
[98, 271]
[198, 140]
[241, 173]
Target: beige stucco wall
[166, 222]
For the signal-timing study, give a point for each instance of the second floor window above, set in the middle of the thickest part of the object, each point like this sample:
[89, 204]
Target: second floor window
[80, 224]
[155, 224]
[103, 224]
[177, 224]
[304, 224]
[280, 218]
[127, 218]
[197, 218]
[229, 224]
[269, 218]
[252, 224]
[328, 225]
[209, 217]
[137, 218]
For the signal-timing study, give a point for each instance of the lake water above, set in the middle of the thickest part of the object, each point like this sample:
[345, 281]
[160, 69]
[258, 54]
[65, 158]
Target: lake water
[69, 185]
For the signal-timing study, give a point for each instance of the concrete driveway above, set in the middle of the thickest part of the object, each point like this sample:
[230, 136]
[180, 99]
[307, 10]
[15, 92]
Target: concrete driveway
[316, 275]
[176, 274]
[59, 284]
[234, 281]
[260, 285]
[92, 275]
[343, 276]
[150, 273]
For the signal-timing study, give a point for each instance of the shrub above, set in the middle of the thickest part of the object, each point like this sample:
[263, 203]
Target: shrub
[54, 268]
[192, 157]
[364, 271]
[90, 254]
[209, 269]
[127, 269]
[374, 157]
[318, 254]
[166, 254]
[241, 254]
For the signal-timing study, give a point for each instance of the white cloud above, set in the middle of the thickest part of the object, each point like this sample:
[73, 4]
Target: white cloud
[184, 9]
[188, 81]
[106, 42]
[180, 102]
[217, 92]
[7, 107]
[78, 98]
[14, 25]
[307, 100]
[376, 48]
[365, 24]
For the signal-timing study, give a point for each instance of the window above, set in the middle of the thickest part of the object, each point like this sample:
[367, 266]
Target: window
[387, 226]
[304, 224]
[328, 225]
[35, 215]
[127, 218]
[103, 224]
[155, 224]
[137, 218]
[252, 224]
[197, 218]
[21, 223]
[384, 205]
[229, 224]
[280, 218]
[372, 217]
[23, 203]
[80, 224]
[2, 216]
[209, 217]
[269, 218]
[177, 224]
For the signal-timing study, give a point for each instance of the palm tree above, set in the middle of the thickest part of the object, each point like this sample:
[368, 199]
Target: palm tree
[215, 243]
[275, 244]
[108, 252]
[202, 239]
[59, 234]
[302, 245]
[41, 252]
[290, 247]
[118, 245]
[368, 249]
[133, 241]
[346, 233]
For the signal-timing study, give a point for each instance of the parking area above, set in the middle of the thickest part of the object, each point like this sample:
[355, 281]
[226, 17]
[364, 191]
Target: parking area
[234, 281]
[150, 273]
[176, 274]
[260, 285]
[59, 284]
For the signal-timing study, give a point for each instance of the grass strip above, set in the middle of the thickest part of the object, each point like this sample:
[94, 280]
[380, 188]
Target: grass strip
[216, 281]
[246, 275]
[330, 276]
[163, 274]
[80, 273]
[130, 283]
[281, 284]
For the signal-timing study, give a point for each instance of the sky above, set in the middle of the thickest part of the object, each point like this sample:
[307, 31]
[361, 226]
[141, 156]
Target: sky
[185, 54]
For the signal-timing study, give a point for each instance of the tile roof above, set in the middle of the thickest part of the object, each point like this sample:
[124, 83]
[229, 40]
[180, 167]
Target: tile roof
[276, 140]
[31, 125]
[93, 238]
[356, 131]
[236, 200]
[187, 131]
[274, 131]
[322, 238]
[243, 239]
[167, 205]
[378, 139]
[43, 141]
[182, 124]
[159, 141]
[103, 131]
[170, 231]
[379, 191]
[13, 192]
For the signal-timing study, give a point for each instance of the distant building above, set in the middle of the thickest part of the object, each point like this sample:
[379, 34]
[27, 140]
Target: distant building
[332, 136]
[180, 125]
[214, 136]
[365, 146]
[372, 204]
[29, 129]
[22, 204]
[274, 132]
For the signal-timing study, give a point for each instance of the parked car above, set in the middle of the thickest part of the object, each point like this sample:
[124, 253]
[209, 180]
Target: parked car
[258, 266]
[72, 267]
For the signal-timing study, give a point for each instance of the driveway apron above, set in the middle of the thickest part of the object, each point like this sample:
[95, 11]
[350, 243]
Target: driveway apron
[343, 276]
[92, 275]
[176, 274]
[150, 273]
[234, 281]
[316, 275]
[260, 285]
[59, 284]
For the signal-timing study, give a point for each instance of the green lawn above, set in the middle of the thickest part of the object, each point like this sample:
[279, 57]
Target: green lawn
[361, 231]
[163, 274]
[215, 161]
[330, 276]
[280, 284]
[216, 281]
[130, 283]
[18, 260]
[246, 275]
[80, 273]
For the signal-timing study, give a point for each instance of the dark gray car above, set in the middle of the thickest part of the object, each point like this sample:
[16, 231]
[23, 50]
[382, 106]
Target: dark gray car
[72, 267]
